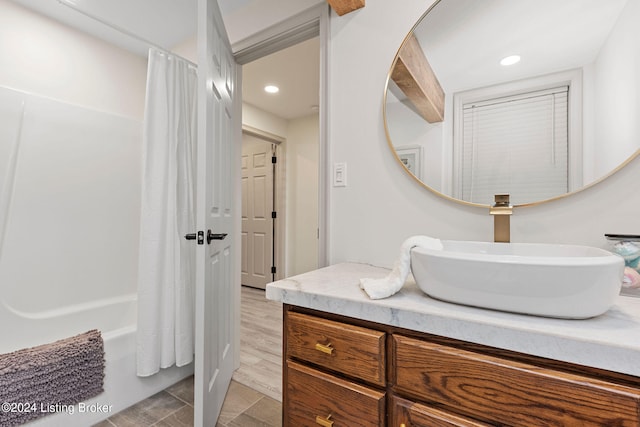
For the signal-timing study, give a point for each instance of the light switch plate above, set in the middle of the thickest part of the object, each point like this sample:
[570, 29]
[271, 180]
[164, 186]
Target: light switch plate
[339, 174]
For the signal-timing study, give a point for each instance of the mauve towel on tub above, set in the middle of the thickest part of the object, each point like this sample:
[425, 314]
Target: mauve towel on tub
[39, 380]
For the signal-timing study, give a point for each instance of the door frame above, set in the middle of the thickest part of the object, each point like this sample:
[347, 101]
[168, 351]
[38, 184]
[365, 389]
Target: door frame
[313, 22]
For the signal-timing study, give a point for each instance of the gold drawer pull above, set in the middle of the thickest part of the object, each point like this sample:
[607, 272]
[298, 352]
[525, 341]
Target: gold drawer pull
[324, 422]
[325, 348]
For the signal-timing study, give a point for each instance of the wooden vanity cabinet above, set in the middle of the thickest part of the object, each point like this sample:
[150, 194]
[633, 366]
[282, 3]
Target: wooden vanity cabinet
[342, 371]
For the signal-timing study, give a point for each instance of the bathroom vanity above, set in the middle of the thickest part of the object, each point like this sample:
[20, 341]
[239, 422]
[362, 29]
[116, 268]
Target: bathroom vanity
[410, 360]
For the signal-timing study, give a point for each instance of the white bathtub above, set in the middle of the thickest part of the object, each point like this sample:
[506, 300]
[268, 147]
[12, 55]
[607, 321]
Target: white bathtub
[69, 227]
[115, 318]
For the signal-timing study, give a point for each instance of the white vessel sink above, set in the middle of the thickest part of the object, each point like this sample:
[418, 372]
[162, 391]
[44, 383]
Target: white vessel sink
[564, 281]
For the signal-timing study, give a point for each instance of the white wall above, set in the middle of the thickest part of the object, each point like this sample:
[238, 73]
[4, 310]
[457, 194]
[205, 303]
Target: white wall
[382, 206]
[76, 196]
[302, 194]
[41, 56]
[266, 122]
[188, 49]
[617, 71]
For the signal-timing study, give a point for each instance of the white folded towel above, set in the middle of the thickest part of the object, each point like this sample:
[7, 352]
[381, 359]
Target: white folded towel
[387, 286]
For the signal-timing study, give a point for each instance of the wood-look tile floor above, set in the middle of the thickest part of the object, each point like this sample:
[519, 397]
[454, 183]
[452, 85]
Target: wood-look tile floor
[255, 394]
[260, 343]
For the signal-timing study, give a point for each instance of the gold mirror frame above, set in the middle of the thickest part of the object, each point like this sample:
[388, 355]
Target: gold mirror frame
[446, 196]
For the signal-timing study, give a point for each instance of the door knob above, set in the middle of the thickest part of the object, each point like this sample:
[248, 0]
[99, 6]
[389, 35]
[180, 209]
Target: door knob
[215, 236]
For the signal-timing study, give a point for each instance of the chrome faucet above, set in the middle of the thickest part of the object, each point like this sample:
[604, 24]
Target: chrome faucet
[501, 211]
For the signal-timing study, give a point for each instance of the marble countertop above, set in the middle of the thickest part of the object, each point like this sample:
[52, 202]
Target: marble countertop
[610, 341]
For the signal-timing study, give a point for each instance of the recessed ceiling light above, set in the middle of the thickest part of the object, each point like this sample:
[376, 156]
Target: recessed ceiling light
[271, 89]
[510, 60]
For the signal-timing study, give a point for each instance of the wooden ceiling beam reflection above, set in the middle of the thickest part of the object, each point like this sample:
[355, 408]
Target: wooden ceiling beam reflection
[414, 76]
[342, 7]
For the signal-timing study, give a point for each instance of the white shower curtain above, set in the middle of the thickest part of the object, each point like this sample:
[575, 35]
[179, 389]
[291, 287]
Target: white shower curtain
[166, 270]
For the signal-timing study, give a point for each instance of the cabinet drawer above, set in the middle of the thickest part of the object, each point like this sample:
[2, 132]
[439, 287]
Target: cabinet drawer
[352, 350]
[314, 398]
[507, 392]
[410, 414]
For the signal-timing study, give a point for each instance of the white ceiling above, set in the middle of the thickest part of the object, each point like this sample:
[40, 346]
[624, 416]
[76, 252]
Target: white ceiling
[295, 70]
[167, 23]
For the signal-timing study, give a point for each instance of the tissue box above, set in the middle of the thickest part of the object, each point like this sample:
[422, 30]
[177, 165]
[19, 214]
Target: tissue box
[628, 247]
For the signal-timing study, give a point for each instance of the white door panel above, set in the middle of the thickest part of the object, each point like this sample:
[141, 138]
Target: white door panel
[216, 257]
[257, 206]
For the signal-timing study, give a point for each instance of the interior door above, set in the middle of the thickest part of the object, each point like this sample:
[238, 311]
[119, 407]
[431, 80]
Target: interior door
[218, 129]
[257, 208]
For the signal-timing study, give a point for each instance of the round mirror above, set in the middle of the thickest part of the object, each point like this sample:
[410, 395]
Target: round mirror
[533, 98]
